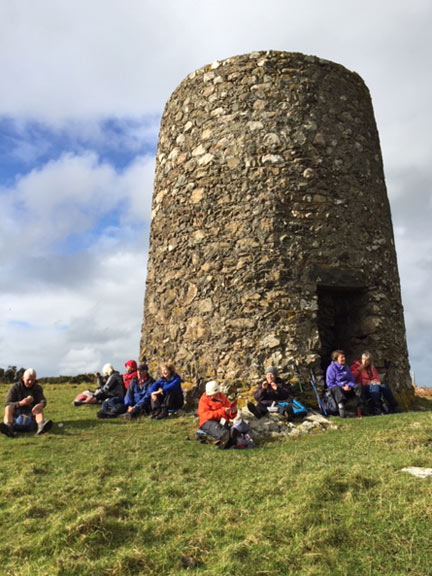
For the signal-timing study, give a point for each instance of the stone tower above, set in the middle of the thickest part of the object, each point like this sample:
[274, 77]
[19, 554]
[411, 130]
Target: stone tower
[271, 235]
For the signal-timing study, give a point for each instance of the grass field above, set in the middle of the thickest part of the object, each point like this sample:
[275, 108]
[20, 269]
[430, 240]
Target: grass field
[107, 498]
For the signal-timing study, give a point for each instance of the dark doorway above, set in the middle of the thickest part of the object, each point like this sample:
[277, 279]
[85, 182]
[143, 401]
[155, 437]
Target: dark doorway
[340, 311]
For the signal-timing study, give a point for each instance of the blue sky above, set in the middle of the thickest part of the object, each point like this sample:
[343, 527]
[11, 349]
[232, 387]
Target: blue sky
[83, 89]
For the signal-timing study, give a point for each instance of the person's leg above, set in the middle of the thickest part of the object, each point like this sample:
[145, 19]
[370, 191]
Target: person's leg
[360, 394]
[375, 394]
[42, 424]
[258, 410]
[220, 432]
[156, 406]
[9, 415]
[340, 398]
[170, 401]
[6, 427]
[388, 397]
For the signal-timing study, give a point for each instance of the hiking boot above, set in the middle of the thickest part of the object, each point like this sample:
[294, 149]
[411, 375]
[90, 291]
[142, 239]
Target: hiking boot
[254, 410]
[7, 430]
[288, 413]
[155, 413]
[44, 426]
[341, 409]
[224, 440]
[162, 414]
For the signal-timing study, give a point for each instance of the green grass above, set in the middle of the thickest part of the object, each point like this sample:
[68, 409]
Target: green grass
[105, 498]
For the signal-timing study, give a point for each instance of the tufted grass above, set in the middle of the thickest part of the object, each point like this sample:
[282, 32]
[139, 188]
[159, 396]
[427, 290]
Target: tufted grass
[106, 498]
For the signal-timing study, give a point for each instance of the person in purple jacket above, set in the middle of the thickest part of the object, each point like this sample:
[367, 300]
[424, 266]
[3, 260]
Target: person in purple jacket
[166, 393]
[342, 385]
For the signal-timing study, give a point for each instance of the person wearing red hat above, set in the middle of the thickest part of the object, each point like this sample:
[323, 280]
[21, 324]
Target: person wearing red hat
[130, 374]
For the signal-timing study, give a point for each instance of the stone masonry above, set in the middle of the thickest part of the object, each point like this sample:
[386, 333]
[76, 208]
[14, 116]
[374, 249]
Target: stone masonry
[271, 236]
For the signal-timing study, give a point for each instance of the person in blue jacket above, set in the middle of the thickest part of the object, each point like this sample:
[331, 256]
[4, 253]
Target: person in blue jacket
[342, 385]
[137, 398]
[166, 393]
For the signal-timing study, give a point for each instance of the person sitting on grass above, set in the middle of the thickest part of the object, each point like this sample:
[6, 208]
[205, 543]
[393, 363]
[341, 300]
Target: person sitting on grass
[166, 393]
[271, 390]
[342, 385]
[130, 374]
[137, 398]
[24, 410]
[366, 375]
[214, 412]
[110, 385]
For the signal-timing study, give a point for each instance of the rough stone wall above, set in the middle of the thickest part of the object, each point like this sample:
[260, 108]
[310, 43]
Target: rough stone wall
[271, 236]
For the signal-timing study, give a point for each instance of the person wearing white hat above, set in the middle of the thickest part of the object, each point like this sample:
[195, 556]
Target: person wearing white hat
[215, 411]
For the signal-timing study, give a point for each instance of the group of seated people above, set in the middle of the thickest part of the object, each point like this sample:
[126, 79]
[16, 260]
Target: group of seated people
[361, 383]
[135, 393]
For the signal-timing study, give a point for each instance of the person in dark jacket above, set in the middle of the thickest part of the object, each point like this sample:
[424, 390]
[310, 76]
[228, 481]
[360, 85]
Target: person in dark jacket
[271, 390]
[137, 398]
[110, 385]
[24, 410]
[166, 393]
[342, 385]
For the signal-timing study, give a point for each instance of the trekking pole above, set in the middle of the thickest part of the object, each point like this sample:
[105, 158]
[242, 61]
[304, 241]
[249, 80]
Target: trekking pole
[297, 371]
[315, 389]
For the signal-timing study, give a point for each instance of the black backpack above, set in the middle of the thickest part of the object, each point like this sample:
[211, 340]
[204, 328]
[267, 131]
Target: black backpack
[330, 403]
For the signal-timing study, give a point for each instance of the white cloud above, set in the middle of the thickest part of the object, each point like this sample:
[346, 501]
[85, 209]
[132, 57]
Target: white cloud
[57, 305]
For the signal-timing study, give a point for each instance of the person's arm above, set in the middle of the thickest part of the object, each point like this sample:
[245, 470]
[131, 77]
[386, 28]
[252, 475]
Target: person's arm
[15, 399]
[331, 376]
[129, 397]
[173, 384]
[38, 396]
[350, 378]
[260, 393]
[211, 410]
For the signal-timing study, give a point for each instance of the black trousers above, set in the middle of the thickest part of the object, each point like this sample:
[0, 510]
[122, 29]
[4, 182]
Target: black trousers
[170, 401]
[357, 393]
[214, 428]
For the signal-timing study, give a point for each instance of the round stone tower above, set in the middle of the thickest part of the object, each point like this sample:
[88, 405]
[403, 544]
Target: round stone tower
[271, 235]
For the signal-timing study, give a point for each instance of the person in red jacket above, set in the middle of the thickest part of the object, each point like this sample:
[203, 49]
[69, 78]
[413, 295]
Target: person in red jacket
[131, 373]
[367, 376]
[215, 411]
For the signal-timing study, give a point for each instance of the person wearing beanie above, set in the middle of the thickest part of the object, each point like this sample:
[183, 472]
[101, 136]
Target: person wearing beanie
[130, 374]
[137, 397]
[271, 390]
[214, 412]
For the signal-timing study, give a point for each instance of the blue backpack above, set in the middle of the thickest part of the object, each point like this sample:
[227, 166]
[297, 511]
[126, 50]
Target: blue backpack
[297, 407]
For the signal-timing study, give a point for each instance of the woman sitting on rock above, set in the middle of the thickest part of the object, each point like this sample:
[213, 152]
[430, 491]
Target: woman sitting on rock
[271, 391]
[342, 385]
[166, 393]
[367, 376]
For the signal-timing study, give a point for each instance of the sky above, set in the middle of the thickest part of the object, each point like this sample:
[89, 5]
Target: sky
[83, 87]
